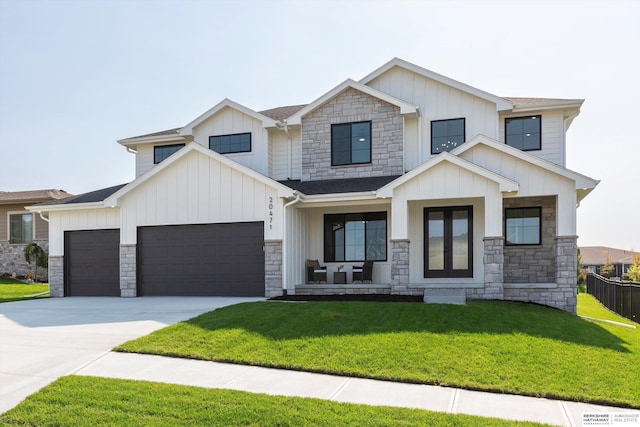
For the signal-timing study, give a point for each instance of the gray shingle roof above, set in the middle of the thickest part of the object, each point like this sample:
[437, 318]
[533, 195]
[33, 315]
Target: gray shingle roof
[281, 113]
[7, 197]
[90, 197]
[334, 186]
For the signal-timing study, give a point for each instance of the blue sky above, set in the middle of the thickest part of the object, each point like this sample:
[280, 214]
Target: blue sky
[75, 76]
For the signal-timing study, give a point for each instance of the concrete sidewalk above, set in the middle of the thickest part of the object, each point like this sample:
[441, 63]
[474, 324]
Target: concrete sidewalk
[342, 389]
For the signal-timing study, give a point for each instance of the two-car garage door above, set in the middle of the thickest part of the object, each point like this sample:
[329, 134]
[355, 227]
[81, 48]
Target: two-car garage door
[178, 260]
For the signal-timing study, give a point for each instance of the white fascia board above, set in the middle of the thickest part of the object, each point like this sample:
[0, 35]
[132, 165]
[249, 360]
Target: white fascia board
[283, 190]
[582, 181]
[505, 184]
[338, 197]
[533, 107]
[163, 139]
[501, 103]
[66, 207]
[266, 121]
[405, 107]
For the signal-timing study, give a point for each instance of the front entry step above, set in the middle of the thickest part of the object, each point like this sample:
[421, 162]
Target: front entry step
[445, 296]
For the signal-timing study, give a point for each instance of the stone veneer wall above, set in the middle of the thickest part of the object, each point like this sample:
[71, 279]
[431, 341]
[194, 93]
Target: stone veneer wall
[272, 268]
[533, 263]
[12, 260]
[353, 106]
[56, 276]
[493, 259]
[128, 261]
[400, 267]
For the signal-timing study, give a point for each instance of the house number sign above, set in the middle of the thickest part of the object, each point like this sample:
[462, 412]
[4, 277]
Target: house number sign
[270, 206]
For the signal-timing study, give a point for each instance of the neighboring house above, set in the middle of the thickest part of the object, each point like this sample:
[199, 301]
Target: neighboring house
[449, 189]
[19, 227]
[595, 257]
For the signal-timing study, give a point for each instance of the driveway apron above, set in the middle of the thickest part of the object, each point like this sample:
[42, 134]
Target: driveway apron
[42, 340]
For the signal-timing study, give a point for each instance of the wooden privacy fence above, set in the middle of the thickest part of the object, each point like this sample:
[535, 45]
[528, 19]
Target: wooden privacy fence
[620, 297]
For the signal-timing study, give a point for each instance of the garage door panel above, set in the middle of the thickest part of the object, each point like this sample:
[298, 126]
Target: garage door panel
[204, 259]
[92, 263]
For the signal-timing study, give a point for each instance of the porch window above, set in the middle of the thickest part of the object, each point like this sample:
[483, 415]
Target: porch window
[523, 226]
[21, 228]
[446, 135]
[350, 143]
[161, 152]
[227, 144]
[523, 133]
[355, 237]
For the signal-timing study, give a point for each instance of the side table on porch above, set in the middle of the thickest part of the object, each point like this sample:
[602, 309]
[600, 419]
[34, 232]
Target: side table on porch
[340, 277]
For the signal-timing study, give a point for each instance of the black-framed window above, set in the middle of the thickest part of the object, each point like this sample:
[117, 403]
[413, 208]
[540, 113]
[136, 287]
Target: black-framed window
[355, 237]
[523, 226]
[350, 143]
[446, 134]
[21, 228]
[227, 144]
[523, 133]
[161, 152]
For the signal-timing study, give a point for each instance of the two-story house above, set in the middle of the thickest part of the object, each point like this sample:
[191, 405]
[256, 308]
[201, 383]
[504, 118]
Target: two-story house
[448, 189]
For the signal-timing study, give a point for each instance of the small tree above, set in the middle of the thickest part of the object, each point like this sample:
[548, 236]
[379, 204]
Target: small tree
[634, 271]
[607, 268]
[582, 277]
[35, 252]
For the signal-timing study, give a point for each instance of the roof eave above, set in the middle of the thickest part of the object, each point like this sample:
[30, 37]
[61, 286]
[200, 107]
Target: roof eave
[65, 207]
[129, 142]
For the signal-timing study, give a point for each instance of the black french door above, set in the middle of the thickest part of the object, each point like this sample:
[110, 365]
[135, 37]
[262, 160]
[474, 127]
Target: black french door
[448, 242]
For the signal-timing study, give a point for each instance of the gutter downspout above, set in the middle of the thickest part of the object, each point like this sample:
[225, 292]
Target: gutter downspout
[284, 241]
[42, 216]
[131, 150]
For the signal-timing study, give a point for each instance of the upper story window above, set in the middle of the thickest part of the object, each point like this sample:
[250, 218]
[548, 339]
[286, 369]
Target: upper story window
[227, 144]
[523, 226]
[446, 135]
[161, 152]
[355, 237]
[350, 143]
[21, 228]
[523, 132]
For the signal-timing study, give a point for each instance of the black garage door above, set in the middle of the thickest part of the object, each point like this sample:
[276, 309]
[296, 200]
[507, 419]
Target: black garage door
[201, 260]
[92, 263]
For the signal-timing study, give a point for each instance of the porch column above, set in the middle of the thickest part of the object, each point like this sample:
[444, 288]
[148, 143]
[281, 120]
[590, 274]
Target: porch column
[493, 267]
[56, 276]
[272, 268]
[399, 266]
[128, 264]
[566, 273]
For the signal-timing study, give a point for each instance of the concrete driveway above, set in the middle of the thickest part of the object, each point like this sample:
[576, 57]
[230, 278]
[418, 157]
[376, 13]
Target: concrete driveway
[42, 340]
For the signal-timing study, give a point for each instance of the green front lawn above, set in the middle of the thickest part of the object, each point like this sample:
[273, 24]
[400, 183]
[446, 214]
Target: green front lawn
[15, 290]
[485, 345]
[79, 401]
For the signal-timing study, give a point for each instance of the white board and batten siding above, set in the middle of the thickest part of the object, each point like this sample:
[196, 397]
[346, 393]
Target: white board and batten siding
[144, 159]
[198, 189]
[83, 219]
[533, 181]
[437, 101]
[285, 160]
[229, 121]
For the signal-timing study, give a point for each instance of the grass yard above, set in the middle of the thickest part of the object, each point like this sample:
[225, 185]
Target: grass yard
[485, 345]
[76, 401]
[15, 290]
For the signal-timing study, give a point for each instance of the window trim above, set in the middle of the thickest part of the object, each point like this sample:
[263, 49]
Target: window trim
[233, 134]
[155, 154]
[333, 125]
[33, 225]
[506, 240]
[326, 248]
[539, 118]
[464, 131]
